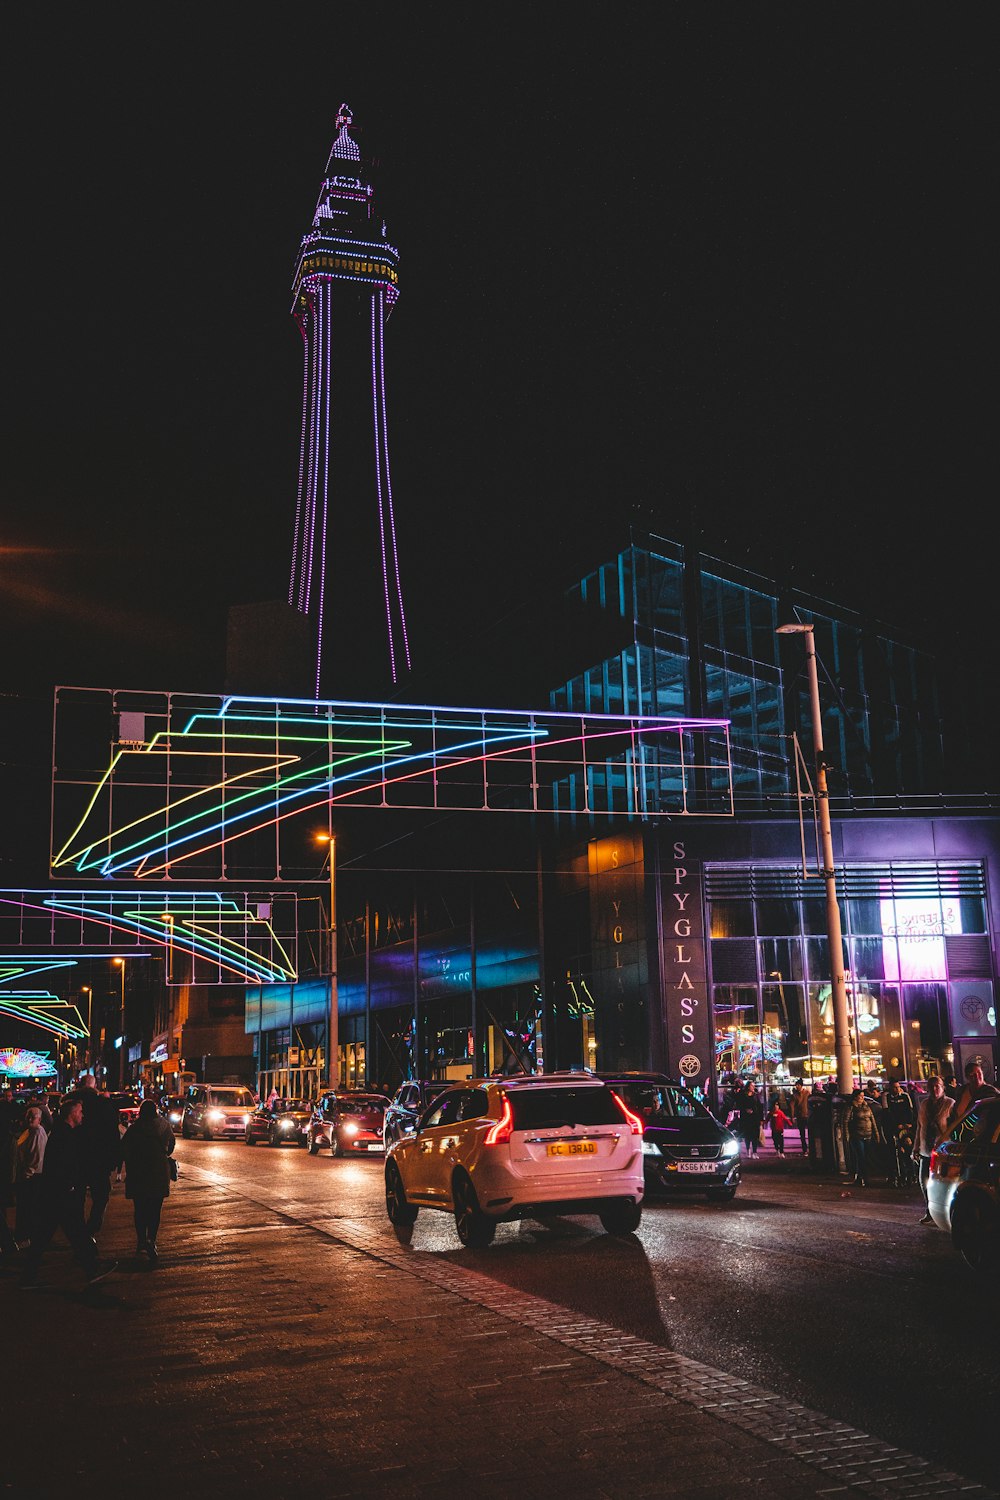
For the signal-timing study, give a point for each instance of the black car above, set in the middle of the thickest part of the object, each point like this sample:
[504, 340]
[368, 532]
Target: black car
[409, 1102]
[963, 1185]
[171, 1107]
[684, 1148]
[278, 1123]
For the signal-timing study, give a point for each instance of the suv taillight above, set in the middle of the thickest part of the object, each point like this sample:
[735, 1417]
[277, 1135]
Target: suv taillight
[499, 1134]
[634, 1123]
[935, 1158]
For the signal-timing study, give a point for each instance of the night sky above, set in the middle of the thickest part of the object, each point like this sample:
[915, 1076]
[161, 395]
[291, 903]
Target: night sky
[720, 269]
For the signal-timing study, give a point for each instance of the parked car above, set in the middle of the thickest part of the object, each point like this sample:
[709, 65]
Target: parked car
[492, 1150]
[171, 1107]
[349, 1121]
[963, 1185]
[684, 1148]
[409, 1102]
[212, 1109]
[278, 1123]
[127, 1106]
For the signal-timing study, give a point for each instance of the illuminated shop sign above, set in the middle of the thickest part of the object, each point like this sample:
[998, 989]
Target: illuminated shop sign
[919, 927]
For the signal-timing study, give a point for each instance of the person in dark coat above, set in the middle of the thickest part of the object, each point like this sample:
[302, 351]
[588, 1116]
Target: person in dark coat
[10, 1124]
[899, 1122]
[60, 1205]
[101, 1145]
[145, 1149]
[750, 1118]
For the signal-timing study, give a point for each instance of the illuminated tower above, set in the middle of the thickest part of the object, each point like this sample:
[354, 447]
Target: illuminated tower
[345, 570]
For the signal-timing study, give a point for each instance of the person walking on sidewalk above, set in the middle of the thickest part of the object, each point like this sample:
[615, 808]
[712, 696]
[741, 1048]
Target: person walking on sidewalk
[60, 1203]
[750, 1118]
[899, 1118]
[100, 1145]
[934, 1116]
[28, 1166]
[976, 1088]
[862, 1134]
[145, 1149]
[800, 1113]
[779, 1123]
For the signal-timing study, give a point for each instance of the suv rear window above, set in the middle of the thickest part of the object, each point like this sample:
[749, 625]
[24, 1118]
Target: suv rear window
[658, 1103]
[540, 1109]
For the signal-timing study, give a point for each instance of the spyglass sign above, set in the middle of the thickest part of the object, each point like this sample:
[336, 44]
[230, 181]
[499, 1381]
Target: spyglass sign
[685, 988]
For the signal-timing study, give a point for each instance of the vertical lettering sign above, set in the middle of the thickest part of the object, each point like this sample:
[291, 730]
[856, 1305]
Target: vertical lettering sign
[685, 988]
[619, 976]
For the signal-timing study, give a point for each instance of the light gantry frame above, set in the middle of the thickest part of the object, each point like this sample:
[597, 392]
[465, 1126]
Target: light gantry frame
[37, 1007]
[224, 939]
[146, 784]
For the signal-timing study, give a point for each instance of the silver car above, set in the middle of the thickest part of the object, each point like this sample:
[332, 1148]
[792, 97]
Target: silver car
[963, 1186]
[212, 1109]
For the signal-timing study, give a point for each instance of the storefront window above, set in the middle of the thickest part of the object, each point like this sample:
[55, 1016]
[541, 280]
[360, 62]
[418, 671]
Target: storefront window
[925, 1029]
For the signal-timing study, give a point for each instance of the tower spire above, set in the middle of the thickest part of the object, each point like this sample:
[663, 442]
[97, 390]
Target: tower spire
[346, 266]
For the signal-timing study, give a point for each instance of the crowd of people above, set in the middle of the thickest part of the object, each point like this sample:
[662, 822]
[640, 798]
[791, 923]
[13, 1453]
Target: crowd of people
[886, 1130]
[56, 1174]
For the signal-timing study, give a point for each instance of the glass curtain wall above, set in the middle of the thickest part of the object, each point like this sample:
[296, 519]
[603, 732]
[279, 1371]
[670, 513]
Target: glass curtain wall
[771, 988]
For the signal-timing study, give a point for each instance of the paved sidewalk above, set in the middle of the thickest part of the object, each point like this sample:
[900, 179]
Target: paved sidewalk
[279, 1357]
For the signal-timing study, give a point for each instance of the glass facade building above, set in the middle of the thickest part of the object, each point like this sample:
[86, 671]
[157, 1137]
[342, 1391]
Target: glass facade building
[693, 944]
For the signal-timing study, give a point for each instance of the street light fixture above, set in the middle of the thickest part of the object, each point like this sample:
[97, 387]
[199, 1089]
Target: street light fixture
[85, 989]
[835, 938]
[120, 964]
[334, 1037]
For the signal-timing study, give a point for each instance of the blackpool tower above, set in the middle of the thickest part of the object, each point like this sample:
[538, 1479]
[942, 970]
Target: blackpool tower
[345, 566]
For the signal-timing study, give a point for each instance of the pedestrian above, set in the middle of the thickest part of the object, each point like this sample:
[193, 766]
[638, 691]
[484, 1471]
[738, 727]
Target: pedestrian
[899, 1117]
[272, 1098]
[10, 1121]
[100, 1144]
[934, 1116]
[29, 1165]
[779, 1122]
[800, 1113]
[146, 1146]
[976, 1088]
[862, 1133]
[750, 1118]
[951, 1087]
[61, 1200]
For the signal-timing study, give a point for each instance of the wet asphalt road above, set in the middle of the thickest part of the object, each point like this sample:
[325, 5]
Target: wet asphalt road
[836, 1299]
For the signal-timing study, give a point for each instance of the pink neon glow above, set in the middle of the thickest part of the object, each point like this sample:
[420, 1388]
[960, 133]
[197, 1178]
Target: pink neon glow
[302, 463]
[388, 478]
[381, 516]
[326, 496]
[919, 928]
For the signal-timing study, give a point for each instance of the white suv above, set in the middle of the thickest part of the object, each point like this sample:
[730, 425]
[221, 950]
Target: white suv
[491, 1150]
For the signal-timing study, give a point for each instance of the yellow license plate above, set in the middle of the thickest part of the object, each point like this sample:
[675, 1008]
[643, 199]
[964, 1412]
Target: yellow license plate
[571, 1148]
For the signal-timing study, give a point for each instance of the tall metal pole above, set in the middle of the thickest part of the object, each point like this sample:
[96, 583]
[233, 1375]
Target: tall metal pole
[333, 1060]
[88, 991]
[841, 1021]
[121, 1030]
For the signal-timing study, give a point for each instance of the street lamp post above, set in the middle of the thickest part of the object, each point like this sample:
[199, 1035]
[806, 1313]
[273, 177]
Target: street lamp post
[86, 990]
[333, 1026]
[120, 963]
[841, 1023]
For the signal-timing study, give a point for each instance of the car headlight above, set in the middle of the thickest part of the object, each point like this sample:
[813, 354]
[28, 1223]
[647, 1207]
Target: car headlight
[350, 1130]
[216, 1115]
[174, 1118]
[648, 1149]
[731, 1147]
[246, 1119]
[286, 1124]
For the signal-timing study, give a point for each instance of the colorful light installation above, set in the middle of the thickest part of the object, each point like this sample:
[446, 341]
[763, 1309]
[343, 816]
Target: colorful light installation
[37, 1007]
[340, 260]
[196, 781]
[219, 930]
[20, 1062]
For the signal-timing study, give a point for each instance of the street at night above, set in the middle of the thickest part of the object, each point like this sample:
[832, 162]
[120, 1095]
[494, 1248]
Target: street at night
[289, 1339]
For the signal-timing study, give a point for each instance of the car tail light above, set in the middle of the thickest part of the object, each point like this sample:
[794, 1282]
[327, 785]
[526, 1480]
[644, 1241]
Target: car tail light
[935, 1158]
[500, 1133]
[634, 1123]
